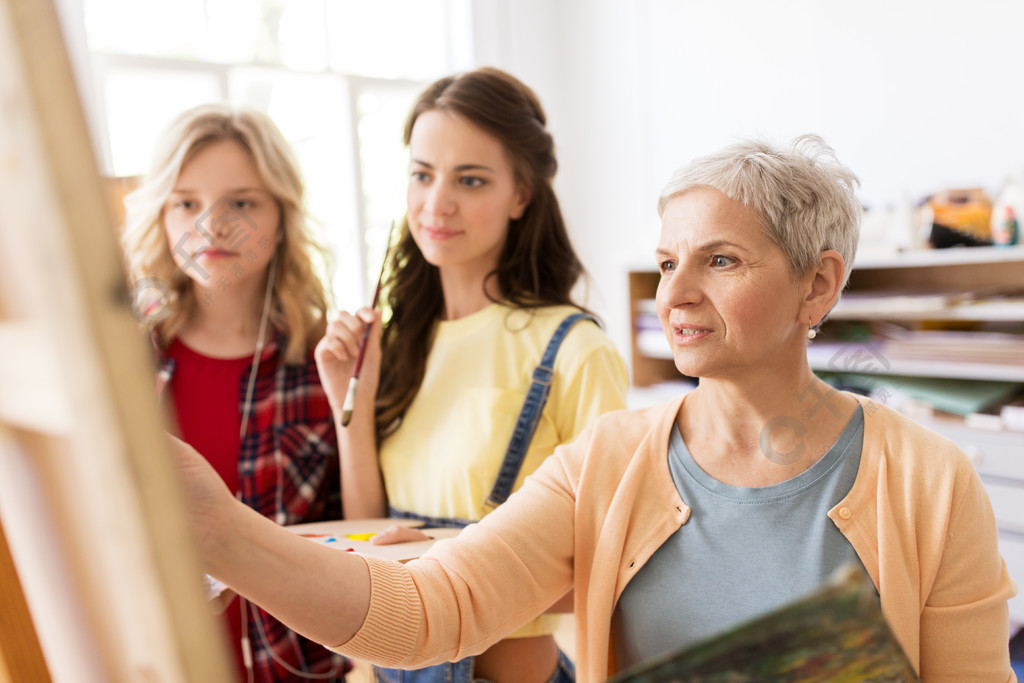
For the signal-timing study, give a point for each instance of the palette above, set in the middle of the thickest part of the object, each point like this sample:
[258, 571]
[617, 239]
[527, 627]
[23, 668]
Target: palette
[354, 535]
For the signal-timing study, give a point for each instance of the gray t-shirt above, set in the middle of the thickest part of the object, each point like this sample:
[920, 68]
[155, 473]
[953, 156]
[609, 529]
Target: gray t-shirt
[743, 551]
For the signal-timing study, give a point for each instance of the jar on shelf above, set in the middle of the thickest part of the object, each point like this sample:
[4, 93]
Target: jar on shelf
[1006, 232]
[1008, 211]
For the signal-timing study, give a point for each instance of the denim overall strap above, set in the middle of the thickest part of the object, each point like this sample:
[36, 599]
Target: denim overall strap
[429, 522]
[462, 670]
[529, 415]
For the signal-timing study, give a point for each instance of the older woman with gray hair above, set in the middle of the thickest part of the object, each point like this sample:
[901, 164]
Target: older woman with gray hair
[674, 522]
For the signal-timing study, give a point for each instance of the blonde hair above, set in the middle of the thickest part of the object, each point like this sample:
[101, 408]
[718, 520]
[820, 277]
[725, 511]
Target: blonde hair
[805, 197]
[300, 299]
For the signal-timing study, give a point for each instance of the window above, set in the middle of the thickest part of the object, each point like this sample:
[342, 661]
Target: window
[337, 76]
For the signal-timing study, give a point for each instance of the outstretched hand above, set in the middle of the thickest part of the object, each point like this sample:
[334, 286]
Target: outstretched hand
[315, 590]
[205, 491]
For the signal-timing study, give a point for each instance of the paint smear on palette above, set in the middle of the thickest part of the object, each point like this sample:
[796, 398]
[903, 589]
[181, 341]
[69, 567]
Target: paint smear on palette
[326, 539]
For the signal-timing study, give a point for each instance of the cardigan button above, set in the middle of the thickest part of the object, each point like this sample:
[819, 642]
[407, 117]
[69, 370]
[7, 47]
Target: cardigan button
[845, 513]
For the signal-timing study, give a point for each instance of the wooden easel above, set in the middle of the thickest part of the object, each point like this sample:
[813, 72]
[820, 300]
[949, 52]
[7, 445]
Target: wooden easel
[99, 580]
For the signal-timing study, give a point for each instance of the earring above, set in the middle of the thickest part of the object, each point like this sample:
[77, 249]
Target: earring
[811, 332]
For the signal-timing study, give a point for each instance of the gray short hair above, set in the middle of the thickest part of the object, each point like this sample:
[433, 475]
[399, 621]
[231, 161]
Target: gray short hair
[805, 197]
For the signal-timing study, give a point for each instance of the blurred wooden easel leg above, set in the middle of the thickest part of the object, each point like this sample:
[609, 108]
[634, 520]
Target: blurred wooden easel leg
[91, 507]
[21, 658]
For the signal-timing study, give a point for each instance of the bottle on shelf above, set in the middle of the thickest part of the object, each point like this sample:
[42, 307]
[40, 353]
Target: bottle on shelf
[1007, 231]
[1007, 211]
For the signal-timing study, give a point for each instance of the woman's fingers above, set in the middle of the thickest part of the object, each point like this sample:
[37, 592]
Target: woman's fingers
[337, 352]
[334, 347]
[346, 332]
[368, 316]
[398, 534]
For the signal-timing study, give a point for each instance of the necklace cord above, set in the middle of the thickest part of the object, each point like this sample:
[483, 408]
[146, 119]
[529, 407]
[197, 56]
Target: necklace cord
[260, 341]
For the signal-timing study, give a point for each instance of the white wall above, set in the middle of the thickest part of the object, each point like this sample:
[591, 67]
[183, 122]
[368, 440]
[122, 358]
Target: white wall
[914, 96]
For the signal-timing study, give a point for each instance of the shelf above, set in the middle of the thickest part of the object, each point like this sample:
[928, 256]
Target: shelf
[656, 394]
[988, 310]
[822, 357]
[653, 345]
[957, 256]
[997, 454]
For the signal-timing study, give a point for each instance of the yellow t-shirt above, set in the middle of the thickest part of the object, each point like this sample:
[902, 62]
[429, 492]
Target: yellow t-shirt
[443, 458]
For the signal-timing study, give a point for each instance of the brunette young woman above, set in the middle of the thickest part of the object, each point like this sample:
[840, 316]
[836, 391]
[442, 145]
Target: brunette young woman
[480, 282]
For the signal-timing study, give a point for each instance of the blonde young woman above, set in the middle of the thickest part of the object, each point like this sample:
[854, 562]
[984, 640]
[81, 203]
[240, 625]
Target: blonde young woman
[682, 519]
[220, 259]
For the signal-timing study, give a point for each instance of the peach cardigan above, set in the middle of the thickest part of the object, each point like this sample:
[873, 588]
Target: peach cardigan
[917, 515]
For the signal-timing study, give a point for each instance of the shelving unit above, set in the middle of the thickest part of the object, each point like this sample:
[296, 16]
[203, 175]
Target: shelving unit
[649, 366]
[957, 287]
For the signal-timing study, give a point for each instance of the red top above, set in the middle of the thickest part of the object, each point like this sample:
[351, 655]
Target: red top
[286, 466]
[207, 393]
[207, 396]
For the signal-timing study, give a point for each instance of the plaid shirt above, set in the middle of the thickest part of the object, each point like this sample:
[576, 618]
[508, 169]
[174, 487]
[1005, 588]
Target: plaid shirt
[288, 471]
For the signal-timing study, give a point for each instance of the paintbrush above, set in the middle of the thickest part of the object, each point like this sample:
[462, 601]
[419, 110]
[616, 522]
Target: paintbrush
[350, 395]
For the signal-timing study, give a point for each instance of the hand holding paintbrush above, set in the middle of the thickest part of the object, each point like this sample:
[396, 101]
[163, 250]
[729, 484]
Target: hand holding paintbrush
[347, 337]
[350, 395]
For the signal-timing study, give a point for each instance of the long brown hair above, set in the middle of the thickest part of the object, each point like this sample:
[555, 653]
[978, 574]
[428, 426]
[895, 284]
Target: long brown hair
[537, 266]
